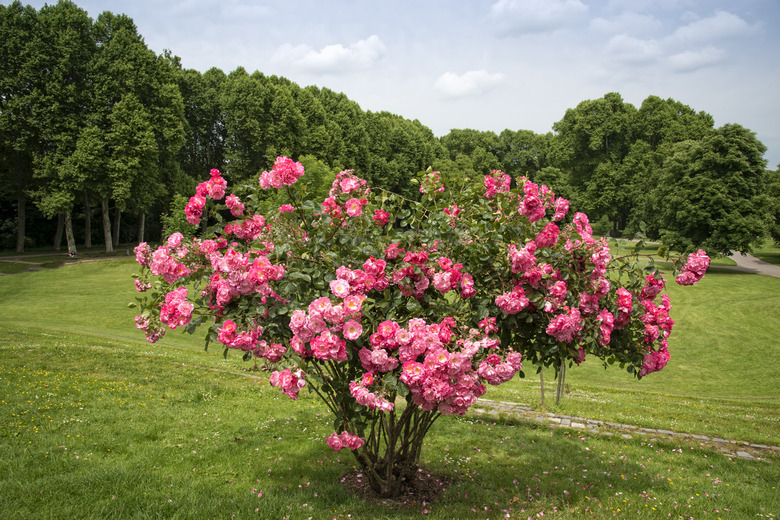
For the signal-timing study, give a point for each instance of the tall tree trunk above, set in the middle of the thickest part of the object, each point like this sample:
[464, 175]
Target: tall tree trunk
[69, 236]
[60, 228]
[21, 203]
[106, 225]
[141, 227]
[87, 220]
[117, 218]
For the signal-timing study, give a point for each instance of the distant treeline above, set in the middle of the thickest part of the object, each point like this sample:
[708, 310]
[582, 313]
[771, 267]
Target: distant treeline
[96, 130]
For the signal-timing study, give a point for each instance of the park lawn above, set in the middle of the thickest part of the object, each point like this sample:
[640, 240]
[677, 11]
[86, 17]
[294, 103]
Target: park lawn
[98, 428]
[769, 251]
[721, 380]
[100, 424]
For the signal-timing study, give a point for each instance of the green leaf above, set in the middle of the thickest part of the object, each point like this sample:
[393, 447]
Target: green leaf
[295, 275]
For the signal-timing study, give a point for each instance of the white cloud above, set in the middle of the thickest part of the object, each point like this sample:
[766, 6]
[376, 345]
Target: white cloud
[628, 49]
[530, 16]
[721, 25]
[332, 58]
[691, 60]
[471, 83]
[631, 23]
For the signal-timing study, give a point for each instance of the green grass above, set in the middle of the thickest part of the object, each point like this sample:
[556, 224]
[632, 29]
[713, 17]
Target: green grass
[97, 423]
[105, 429]
[768, 252]
[721, 380]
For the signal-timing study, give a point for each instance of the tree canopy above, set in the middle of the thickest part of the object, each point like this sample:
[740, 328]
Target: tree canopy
[89, 113]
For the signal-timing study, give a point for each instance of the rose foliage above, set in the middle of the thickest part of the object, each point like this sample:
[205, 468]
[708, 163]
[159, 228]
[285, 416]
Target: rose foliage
[395, 312]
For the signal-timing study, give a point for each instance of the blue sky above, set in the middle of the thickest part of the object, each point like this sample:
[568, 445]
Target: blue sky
[489, 64]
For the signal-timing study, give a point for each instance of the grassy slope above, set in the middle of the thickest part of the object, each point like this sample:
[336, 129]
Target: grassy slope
[768, 252]
[103, 429]
[99, 424]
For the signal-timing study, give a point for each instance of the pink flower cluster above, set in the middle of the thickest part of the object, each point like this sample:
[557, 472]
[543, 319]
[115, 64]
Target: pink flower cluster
[143, 254]
[495, 371]
[532, 206]
[325, 326]
[548, 237]
[347, 183]
[234, 204]
[453, 213]
[214, 188]
[450, 278]
[512, 302]
[694, 268]
[344, 440]
[177, 309]
[381, 217]
[418, 271]
[142, 286]
[248, 229]
[290, 382]
[658, 327]
[437, 378]
[285, 172]
[153, 333]
[347, 196]
[497, 182]
[165, 262]
[565, 327]
[249, 341]
[239, 274]
[366, 397]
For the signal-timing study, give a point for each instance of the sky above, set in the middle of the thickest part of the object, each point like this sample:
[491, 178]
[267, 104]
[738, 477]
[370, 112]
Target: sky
[489, 64]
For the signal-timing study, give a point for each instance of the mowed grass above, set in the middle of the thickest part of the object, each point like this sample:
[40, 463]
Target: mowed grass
[769, 251]
[722, 379]
[105, 429]
[99, 424]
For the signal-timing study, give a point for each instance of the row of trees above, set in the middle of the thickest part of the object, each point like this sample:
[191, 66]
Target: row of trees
[663, 168]
[90, 116]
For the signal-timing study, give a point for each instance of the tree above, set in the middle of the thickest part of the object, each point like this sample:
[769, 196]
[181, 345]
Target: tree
[67, 46]
[394, 326]
[204, 146]
[590, 143]
[711, 193]
[773, 191]
[524, 153]
[244, 102]
[135, 122]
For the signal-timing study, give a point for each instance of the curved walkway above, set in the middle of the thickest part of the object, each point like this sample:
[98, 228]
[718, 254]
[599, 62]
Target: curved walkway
[751, 264]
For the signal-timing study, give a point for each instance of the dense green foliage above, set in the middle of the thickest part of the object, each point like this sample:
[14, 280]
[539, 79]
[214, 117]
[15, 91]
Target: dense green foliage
[89, 115]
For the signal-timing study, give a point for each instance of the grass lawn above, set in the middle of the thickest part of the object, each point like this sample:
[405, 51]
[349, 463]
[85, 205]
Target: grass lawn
[99, 424]
[768, 252]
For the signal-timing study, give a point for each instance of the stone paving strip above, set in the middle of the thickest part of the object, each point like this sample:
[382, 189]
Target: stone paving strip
[741, 449]
[487, 407]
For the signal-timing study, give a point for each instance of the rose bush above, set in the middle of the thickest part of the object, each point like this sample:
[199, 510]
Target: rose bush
[395, 312]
